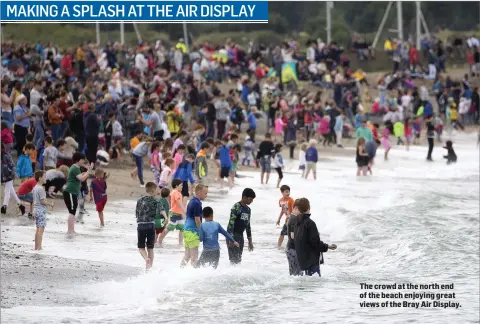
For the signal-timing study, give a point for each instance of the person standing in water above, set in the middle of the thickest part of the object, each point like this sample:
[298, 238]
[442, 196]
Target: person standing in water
[308, 246]
[191, 238]
[430, 137]
[286, 206]
[293, 265]
[240, 222]
[146, 210]
[265, 152]
[72, 190]
[209, 236]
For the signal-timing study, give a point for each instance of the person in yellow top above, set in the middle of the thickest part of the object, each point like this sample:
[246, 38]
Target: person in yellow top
[366, 102]
[80, 60]
[173, 120]
[201, 169]
[181, 45]
[17, 91]
[136, 140]
[454, 117]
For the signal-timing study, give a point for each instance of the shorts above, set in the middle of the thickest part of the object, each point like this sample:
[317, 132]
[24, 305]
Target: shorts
[185, 192]
[26, 197]
[311, 166]
[302, 167]
[209, 257]
[101, 205]
[146, 235]
[265, 164]
[284, 230]
[280, 173]
[159, 230]
[71, 201]
[40, 218]
[225, 172]
[190, 240]
[176, 222]
[233, 170]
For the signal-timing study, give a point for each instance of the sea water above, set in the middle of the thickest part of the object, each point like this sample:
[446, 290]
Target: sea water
[412, 222]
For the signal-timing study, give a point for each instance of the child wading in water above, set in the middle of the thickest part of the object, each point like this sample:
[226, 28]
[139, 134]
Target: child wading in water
[147, 208]
[177, 212]
[209, 236]
[277, 163]
[98, 193]
[286, 207]
[161, 220]
[39, 205]
[362, 157]
[408, 132]
[386, 142]
[302, 159]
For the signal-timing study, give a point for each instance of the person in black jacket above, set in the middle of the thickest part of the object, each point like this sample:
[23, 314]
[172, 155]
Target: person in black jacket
[92, 128]
[308, 246]
[77, 126]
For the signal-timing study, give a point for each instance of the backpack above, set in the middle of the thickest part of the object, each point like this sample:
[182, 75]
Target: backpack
[236, 116]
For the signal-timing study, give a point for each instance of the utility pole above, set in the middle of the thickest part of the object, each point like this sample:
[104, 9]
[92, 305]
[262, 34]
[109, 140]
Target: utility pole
[122, 33]
[399, 21]
[418, 24]
[382, 24]
[137, 31]
[329, 5]
[185, 36]
[97, 27]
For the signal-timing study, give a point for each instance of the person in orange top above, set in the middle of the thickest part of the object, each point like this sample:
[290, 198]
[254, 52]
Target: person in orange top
[33, 154]
[373, 128]
[133, 143]
[135, 140]
[55, 117]
[286, 208]
[177, 212]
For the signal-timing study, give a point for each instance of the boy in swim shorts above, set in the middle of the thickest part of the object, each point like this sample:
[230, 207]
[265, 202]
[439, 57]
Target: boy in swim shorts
[177, 212]
[286, 206]
[192, 225]
[161, 220]
[146, 210]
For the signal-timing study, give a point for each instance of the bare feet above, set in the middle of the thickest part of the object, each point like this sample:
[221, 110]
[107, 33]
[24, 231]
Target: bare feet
[148, 264]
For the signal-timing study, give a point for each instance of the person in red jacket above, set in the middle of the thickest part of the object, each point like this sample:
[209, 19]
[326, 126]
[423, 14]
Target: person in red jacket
[413, 58]
[67, 63]
[25, 193]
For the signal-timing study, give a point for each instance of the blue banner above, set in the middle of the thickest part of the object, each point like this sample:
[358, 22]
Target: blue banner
[132, 11]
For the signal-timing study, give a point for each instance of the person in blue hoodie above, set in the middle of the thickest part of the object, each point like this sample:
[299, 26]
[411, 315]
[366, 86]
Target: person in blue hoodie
[209, 236]
[225, 164]
[184, 173]
[338, 128]
[252, 121]
[311, 156]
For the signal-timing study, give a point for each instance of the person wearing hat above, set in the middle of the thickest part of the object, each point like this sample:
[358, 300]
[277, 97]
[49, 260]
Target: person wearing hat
[21, 116]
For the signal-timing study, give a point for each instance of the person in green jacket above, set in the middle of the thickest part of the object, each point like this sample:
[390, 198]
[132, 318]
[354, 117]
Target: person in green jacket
[364, 131]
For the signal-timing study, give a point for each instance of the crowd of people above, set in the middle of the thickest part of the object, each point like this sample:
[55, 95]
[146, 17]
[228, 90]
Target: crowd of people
[67, 113]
